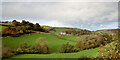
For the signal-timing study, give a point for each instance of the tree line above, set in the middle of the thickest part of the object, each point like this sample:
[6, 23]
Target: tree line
[20, 28]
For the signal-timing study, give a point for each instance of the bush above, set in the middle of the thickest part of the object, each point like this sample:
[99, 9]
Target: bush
[41, 46]
[90, 41]
[107, 38]
[81, 45]
[94, 40]
[24, 45]
[109, 51]
[6, 52]
[67, 48]
[4, 33]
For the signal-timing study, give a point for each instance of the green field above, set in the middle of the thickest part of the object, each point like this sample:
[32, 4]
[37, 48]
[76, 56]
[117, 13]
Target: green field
[103, 32]
[53, 42]
[6, 24]
[73, 38]
[60, 29]
[90, 53]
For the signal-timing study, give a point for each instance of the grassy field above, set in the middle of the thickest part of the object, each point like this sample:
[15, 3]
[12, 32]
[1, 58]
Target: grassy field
[60, 29]
[103, 32]
[74, 38]
[53, 42]
[90, 53]
[6, 24]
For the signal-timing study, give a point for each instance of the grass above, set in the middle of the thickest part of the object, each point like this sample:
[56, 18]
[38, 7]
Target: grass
[5, 23]
[2, 28]
[60, 29]
[74, 38]
[103, 32]
[90, 53]
[53, 42]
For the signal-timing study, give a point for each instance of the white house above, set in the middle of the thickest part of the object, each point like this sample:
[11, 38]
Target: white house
[62, 33]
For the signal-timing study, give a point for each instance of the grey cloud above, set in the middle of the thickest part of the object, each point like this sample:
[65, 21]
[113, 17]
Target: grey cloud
[72, 14]
[60, 0]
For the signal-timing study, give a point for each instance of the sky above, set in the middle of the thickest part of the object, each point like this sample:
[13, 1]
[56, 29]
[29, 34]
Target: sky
[83, 15]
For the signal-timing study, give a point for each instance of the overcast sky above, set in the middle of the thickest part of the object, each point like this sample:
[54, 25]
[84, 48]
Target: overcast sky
[84, 15]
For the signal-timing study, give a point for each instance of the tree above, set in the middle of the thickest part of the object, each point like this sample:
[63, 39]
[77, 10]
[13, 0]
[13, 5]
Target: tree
[16, 23]
[24, 22]
[37, 27]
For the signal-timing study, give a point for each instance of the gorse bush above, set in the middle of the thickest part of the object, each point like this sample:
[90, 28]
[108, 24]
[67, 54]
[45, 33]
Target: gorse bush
[94, 40]
[90, 41]
[111, 51]
[67, 48]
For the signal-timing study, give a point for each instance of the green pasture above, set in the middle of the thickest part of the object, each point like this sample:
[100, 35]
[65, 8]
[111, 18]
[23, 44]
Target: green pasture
[103, 32]
[53, 42]
[68, 37]
[60, 29]
[85, 53]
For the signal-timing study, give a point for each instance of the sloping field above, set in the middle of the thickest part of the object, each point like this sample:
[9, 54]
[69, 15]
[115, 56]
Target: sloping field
[90, 53]
[68, 37]
[53, 42]
[60, 29]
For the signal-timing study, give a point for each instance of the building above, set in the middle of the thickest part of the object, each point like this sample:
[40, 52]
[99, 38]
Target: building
[62, 33]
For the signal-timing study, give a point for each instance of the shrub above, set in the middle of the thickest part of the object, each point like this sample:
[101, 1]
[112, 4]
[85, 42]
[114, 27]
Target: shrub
[41, 46]
[109, 51]
[21, 32]
[107, 38]
[90, 41]
[80, 45]
[67, 48]
[24, 45]
[94, 40]
[6, 52]
[4, 33]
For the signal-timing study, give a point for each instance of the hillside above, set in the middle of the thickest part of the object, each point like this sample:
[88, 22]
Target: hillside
[89, 43]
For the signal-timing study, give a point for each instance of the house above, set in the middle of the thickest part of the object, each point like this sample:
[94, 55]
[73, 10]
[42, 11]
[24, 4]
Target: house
[62, 33]
[74, 32]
